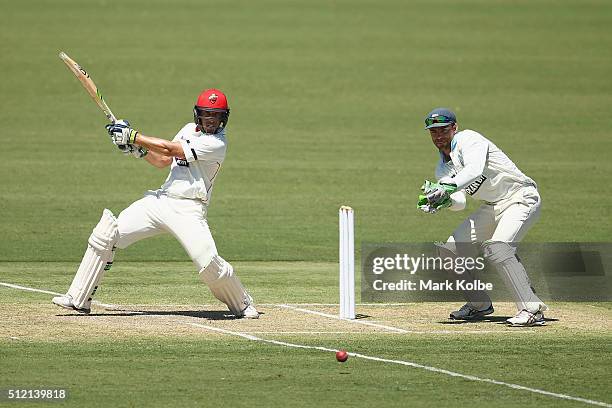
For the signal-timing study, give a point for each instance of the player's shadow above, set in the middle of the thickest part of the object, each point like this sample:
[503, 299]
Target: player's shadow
[200, 314]
[488, 319]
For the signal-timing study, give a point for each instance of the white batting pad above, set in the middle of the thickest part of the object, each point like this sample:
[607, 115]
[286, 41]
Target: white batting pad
[98, 258]
[503, 257]
[225, 285]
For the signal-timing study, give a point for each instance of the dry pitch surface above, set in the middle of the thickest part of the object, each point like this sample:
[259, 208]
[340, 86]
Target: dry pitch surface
[44, 321]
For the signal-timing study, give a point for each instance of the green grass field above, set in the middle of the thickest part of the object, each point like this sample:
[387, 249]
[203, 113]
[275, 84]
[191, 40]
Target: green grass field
[327, 100]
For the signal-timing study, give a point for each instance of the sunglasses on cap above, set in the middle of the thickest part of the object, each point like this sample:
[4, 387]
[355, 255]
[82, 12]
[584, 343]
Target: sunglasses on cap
[438, 119]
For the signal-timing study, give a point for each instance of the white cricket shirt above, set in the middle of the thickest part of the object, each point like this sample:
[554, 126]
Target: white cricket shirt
[194, 176]
[481, 169]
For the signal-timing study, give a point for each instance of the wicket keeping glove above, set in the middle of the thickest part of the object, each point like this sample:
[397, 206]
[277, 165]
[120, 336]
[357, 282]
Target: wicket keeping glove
[436, 196]
[121, 133]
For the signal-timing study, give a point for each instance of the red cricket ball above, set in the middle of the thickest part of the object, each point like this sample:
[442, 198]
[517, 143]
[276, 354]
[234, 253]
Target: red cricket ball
[341, 356]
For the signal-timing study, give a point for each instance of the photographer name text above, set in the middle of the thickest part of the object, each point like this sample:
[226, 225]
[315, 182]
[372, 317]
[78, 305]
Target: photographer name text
[431, 285]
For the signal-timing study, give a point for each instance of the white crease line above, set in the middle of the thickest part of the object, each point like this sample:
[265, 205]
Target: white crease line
[181, 306]
[276, 304]
[369, 332]
[397, 329]
[264, 304]
[384, 360]
[306, 332]
[404, 363]
[337, 304]
[356, 321]
[48, 292]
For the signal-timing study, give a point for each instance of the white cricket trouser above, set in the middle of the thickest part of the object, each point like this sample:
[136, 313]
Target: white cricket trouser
[157, 213]
[505, 222]
[508, 222]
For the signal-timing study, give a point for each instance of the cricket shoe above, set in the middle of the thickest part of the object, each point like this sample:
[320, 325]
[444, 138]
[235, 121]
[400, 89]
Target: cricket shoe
[525, 318]
[65, 301]
[249, 313]
[467, 312]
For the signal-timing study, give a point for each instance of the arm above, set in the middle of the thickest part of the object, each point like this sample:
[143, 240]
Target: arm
[160, 151]
[162, 147]
[158, 160]
[458, 201]
[475, 158]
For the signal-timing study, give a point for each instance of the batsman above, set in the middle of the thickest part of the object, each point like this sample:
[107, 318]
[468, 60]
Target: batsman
[179, 207]
[471, 164]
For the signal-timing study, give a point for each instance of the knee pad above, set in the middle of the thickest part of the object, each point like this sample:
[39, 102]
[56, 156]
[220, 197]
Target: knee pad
[105, 235]
[225, 285]
[216, 270]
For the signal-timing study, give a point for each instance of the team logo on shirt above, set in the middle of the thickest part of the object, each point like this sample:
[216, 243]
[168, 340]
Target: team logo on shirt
[181, 162]
[213, 98]
[475, 185]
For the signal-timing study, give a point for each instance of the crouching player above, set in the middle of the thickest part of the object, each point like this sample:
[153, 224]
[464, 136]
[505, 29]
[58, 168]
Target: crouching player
[471, 164]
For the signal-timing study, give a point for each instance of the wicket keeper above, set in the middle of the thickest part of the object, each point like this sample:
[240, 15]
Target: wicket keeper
[471, 164]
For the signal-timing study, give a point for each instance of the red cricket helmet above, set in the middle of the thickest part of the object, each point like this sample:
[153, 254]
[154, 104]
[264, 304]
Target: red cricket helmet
[211, 100]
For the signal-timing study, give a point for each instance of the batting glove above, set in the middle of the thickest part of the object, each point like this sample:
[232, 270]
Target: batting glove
[139, 152]
[125, 149]
[136, 151]
[121, 133]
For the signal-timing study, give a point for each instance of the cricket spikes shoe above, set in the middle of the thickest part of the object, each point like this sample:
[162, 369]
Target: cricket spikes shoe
[249, 313]
[525, 318]
[467, 312]
[65, 301]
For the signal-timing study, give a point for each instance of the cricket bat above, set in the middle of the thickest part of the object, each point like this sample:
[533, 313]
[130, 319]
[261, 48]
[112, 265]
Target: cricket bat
[88, 84]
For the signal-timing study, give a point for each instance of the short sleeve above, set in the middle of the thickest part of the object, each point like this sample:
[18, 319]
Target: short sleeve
[207, 148]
